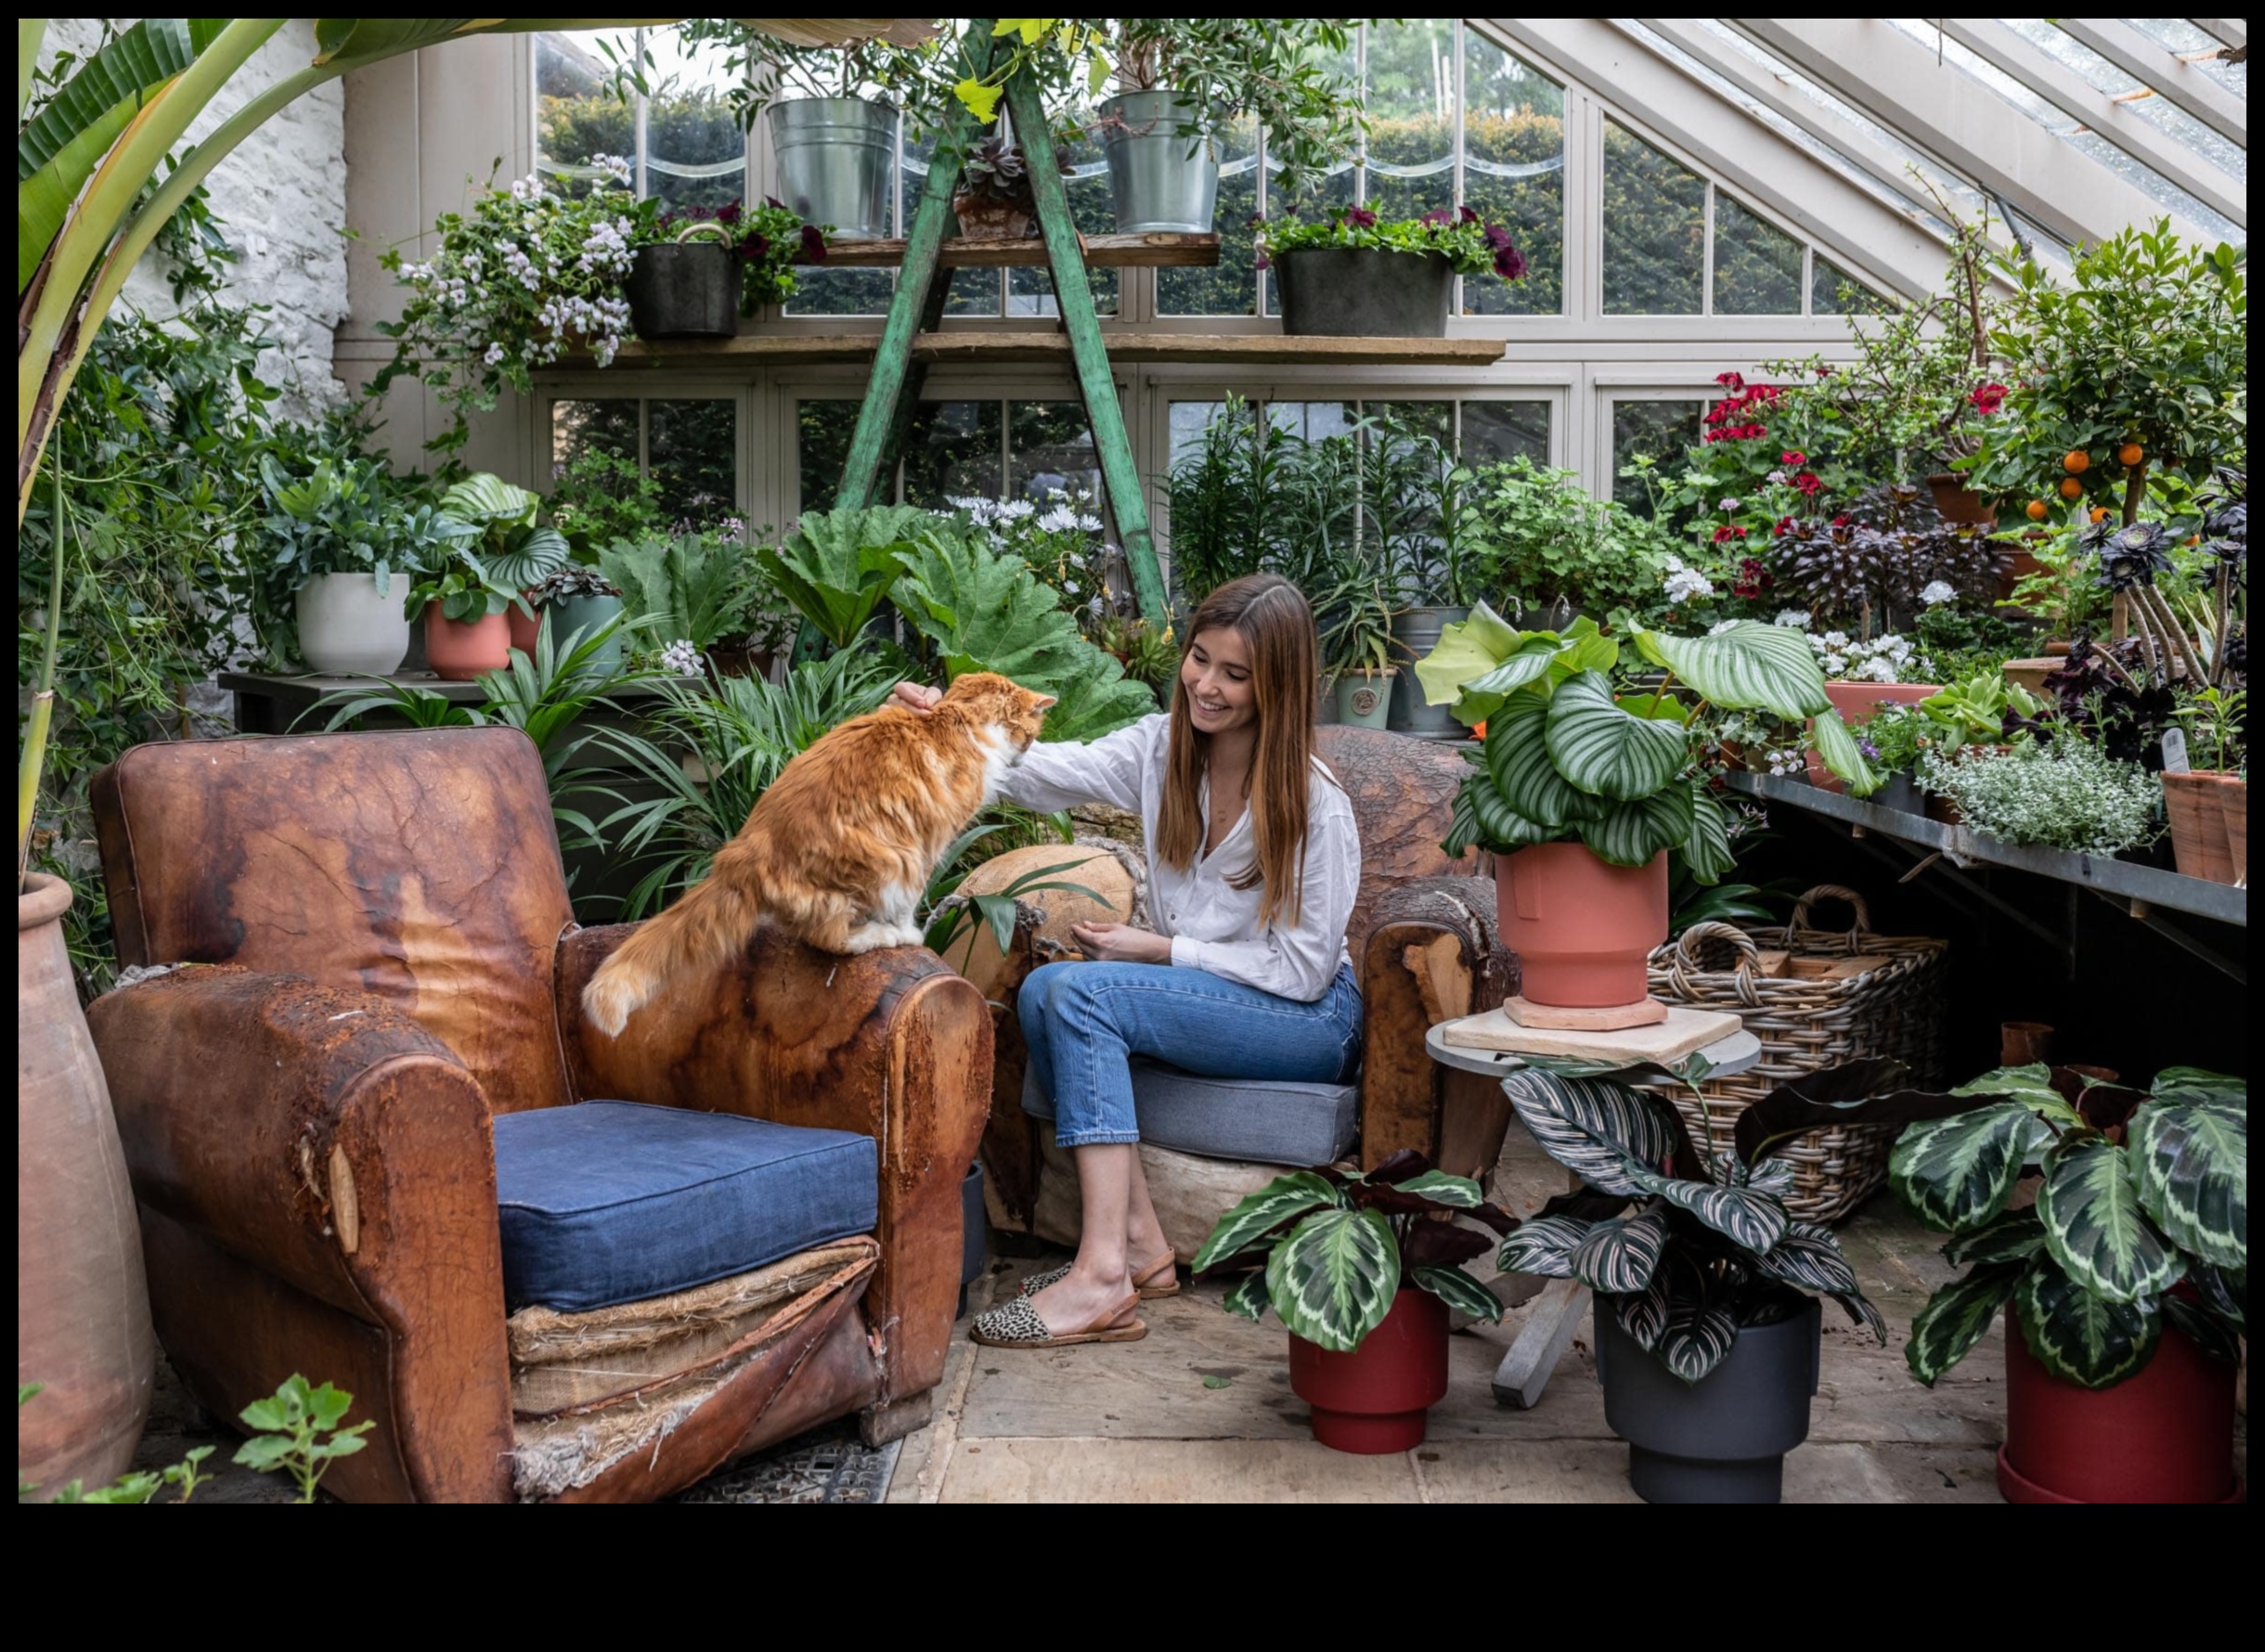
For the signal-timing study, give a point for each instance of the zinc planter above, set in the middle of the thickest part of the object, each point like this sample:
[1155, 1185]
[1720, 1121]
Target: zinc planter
[346, 630]
[1415, 632]
[1582, 928]
[1358, 292]
[836, 159]
[460, 651]
[1155, 183]
[1724, 1438]
[684, 290]
[2163, 1435]
[1373, 1400]
[1364, 701]
[81, 1308]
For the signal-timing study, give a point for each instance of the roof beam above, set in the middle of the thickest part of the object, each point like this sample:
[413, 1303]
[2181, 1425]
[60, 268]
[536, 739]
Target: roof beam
[2191, 89]
[2232, 32]
[2115, 123]
[1899, 83]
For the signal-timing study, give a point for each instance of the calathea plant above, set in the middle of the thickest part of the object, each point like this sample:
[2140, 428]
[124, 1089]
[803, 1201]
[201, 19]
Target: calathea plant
[2140, 1191]
[1569, 756]
[514, 550]
[1337, 1247]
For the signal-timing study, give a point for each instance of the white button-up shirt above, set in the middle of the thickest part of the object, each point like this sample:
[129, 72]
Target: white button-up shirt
[1213, 925]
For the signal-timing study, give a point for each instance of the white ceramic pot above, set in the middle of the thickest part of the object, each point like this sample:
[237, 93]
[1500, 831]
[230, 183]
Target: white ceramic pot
[346, 630]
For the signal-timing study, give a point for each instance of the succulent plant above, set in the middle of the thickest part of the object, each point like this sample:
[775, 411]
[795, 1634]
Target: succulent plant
[2130, 553]
[1890, 545]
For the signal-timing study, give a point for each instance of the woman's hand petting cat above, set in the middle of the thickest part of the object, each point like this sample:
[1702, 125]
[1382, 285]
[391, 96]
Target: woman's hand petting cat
[917, 696]
[1121, 943]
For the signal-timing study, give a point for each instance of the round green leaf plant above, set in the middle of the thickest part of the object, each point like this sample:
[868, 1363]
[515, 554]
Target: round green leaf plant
[1337, 1247]
[2140, 1192]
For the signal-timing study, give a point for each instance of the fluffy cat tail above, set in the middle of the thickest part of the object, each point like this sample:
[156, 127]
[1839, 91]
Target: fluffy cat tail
[704, 931]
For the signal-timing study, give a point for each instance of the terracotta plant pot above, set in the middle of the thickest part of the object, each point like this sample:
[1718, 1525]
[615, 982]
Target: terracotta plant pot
[2030, 674]
[81, 1308]
[1957, 502]
[2020, 1042]
[1861, 702]
[984, 219]
[2234, 802]
[1373, 1400]
[527, 629]
[1582, 928]
[2163, 1435]
[461, 651]
[2195, 804]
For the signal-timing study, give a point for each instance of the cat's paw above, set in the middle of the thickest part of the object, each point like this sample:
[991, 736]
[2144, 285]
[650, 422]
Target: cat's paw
[609, 1000]
[875, 938]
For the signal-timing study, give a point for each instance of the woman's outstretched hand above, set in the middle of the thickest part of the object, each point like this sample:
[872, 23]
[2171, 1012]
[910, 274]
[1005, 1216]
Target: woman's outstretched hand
[917, 696]
[1121, 943]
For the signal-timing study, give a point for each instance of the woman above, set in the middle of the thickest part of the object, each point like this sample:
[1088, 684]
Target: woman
[1254, 863]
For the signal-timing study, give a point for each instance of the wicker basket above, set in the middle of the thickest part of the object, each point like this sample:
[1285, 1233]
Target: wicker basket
[1893, 1009]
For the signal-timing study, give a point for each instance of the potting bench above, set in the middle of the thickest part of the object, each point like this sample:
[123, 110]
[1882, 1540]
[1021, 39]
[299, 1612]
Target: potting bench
[1556, 1314]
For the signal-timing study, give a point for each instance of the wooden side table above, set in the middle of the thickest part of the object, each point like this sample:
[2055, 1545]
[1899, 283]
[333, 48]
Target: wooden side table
[1526, 1369]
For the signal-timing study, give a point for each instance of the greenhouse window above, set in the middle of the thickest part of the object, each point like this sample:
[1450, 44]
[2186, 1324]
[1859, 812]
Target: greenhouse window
[688, 445]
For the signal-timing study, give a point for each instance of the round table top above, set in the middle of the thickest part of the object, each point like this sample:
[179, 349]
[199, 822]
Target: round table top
[1725, 1057]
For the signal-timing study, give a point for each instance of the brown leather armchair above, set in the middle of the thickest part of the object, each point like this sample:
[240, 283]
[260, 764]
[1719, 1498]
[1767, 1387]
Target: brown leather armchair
[387, 959]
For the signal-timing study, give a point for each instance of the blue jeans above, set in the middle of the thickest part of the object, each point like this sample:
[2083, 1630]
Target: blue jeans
[1082, 1022]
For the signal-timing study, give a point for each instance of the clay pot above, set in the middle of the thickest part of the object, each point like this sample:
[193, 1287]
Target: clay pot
[527, 629]
[1859, 701]
[2234, 802]
[81, 1308]
[2022, 1043]
[986, 219]
[1957, 502]
[2195, 804]
[1373, 1400]
[2030, 674]
[2164, 1435]
[1582, 928]
[459, 652]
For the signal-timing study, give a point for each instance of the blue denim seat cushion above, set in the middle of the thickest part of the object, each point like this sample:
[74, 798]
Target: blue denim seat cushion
[610, 1202]
[1266, 1121]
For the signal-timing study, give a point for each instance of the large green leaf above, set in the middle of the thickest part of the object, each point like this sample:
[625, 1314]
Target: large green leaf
[2209, 1333]
[986, 612]
[1750, 666]
[2014, 1236]
[1707, 855]
[1605, 1133]
[2226, 1292]
[1608, 752]
[837, 565]
[1809, 1257]
[1543, 1246]
[2191, 1166]
[1333, 1279]
[1255, 1217]
[1443, 1187]
[2094, 1226]
[1459, 1291]
[2031, 1086]
[1527, 663]
[1095, 698]
[1698, 1336]
[1525, 774]
[1955, 1317]
[527, 556]
[486, 497]
[1958, 1172]
[1842, 754]
[2199, 1084]
[2078, 1334]
[1631, 834]
[1248, 1298]
[1754, 1222]
[1466, 651]
[1620, 1256]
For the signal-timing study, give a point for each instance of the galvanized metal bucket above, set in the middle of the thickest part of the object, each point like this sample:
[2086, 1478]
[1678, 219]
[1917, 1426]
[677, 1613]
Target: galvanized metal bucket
[1154, 183]
[837, 157]
[1416, 633]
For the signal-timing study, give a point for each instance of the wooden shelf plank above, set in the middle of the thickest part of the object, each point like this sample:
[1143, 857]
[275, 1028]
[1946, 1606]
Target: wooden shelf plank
[1154, 250]
[984, 344]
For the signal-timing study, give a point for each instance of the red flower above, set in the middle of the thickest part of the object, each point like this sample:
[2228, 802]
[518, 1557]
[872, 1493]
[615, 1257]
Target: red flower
[1763, 393]
[1824, 372]
[1728, 531]
[1752, 578]
[1784, 525]
[1987, 398]
[1840, 522]
[1731, 380]
[728, 212]
[813, 244]
[1809, 482]
[1792, 455]
[1466, 215]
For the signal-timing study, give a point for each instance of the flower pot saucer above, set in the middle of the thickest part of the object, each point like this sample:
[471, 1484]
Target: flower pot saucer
[1644, 1012]
[1682, 1032]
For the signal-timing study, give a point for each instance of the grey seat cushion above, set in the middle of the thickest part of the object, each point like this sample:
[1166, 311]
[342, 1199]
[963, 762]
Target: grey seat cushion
[1267, 1121]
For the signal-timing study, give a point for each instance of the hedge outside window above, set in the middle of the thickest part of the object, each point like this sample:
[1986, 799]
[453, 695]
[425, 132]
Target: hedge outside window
[954, 449]
[1658, 430]
[688, 445]
[1481, 431]
[686, 148]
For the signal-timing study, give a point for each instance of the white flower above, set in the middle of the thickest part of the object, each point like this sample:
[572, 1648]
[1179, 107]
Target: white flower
[614, 166]
[1937, 592]
[1091, 524]
[1015, 509]
[1798, 618]
[494, 357]
[682, 657]
[1776, 478]
[1060, 519]
[1094, 607]
[1729, 504]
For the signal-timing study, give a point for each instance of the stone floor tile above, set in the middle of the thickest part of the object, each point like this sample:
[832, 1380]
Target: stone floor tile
[1103, 1470]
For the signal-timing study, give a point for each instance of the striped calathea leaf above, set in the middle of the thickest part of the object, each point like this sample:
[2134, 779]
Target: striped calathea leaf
[1958, 1172]
[1955, 1317]
[2094, 1227]
[1606, 750]
[1525, 774]
[1632, 833]
[1543, 1247]
[1281, 1200]
[2226, 1292]
[2013, 1236]
[2080, 1336]
[2210, 1334]
[1752, 1221]
[1643, 1314]
[1809, 1257]
[1619, 1256]
[1861, 1312]
[2190, 1168]
[1333, 1279]
[1698, 1336]
[1458, 1291]
[1606, 1133]
[1249, 1296]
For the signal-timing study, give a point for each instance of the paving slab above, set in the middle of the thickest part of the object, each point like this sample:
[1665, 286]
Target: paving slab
[1058, 1470]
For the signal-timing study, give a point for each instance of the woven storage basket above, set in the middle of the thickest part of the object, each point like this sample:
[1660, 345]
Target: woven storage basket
[1893, 1009]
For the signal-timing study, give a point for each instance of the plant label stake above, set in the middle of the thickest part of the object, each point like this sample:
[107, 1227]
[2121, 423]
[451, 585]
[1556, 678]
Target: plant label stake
[2174, 750]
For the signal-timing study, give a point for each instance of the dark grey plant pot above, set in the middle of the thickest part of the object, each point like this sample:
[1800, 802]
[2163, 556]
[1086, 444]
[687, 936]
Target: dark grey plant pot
[1724, 1438]
[684, 290]
[975, 1232]
[1357, 293]
[1415, 632]
[1900, 791]
[1554, 615]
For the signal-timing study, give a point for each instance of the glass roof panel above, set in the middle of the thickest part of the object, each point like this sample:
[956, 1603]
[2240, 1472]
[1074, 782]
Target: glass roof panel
[2160, 112]
[2180, 35]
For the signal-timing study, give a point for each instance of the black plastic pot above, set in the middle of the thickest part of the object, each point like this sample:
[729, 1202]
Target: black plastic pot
[684, 290]
[1357, 293]
[1724, 1438]
[975, 1250]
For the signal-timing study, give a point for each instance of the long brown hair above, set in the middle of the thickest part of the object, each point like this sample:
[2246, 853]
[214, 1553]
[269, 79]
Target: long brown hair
[1271, 617]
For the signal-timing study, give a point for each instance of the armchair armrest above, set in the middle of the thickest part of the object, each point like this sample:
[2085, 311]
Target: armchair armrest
[890, 1044]
[1430, 955]
[327, 1141]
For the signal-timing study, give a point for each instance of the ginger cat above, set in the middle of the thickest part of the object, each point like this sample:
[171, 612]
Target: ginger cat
[839, 850]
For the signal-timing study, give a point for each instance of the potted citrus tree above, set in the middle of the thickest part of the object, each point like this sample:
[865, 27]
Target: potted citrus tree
[2126, 1277]
[1585, 784]
[1363, 1269]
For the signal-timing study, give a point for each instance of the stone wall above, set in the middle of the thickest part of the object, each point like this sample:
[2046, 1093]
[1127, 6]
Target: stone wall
[282, 197]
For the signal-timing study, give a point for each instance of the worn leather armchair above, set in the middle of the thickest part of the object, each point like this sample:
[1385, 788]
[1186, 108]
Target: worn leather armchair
[384, 958]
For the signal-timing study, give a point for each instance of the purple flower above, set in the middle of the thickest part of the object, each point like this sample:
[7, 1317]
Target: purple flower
[1498, 237]
[1360, 217]
[1264, 262]
[1510, 265]
[1437, 218]
[813, 244]
[775, 202]
[1467, 217]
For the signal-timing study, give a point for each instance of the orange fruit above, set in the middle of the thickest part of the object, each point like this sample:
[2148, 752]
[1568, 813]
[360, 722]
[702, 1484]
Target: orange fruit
[2100, 513]
[2076, 461]
[2130, 453]
[2038, 509]
[2193, 538]
[2071, 488]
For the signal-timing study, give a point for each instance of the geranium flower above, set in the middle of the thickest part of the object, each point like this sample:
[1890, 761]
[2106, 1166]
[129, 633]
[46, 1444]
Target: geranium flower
[1731, 380]
[1809, 483]
[1987, 398]
[1728, 531]
[1792, 455]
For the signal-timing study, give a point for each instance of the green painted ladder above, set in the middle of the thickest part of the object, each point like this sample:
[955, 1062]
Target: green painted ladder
[894, 389]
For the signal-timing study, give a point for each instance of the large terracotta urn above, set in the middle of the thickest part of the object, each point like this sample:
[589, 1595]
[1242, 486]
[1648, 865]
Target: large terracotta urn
[82, 1311]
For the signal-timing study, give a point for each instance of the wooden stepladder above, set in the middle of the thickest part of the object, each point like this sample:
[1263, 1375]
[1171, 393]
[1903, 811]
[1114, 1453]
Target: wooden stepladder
[893, 391]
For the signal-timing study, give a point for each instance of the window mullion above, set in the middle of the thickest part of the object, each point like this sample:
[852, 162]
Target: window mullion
[1456, 104]
[1706, 268]
[636, 44]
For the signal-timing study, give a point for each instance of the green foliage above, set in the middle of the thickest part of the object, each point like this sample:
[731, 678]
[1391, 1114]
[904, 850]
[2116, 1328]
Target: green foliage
[837, 565]
[2065, 793]
[946, 914]
[1471, 247]
[1337, 1247]
[2138, 1192]
[695, 587]
[599, 497]
[1553, 543]
[299, 1430]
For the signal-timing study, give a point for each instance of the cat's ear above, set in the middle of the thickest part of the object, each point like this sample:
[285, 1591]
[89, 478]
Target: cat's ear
[1041, 703]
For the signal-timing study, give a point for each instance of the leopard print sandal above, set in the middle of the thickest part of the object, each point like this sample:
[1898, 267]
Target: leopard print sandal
[1016, 1324]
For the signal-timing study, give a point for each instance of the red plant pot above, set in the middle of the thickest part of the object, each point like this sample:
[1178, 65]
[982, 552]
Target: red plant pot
[526, 628]
[1373, 1400]
[2163, 1435]
[1580, 927]
[459, 652]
